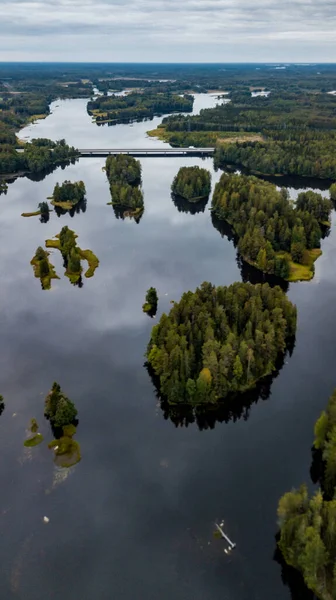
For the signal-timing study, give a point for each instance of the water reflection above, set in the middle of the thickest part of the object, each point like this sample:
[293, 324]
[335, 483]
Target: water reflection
[248, 272]
[292, 578]
[122, 213]
[235, 406]
[193, 208]
[78, 208]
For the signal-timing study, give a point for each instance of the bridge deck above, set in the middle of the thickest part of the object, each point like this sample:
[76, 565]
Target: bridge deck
[147, 151]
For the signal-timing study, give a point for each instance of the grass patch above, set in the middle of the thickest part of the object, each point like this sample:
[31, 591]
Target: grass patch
[66, 205]
[92, 260]
[305, 272]
[46, 279]
[31, 214]
[201, 138]
[67, 451]
[35, 440]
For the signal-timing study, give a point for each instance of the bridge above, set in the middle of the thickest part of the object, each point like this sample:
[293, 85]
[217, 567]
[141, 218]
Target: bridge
[147, 151]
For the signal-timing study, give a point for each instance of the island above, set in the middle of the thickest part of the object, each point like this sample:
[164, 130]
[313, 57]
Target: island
[62, 414]
[219, 340]
[36, 437]
[137, 105]
[308, 524]
[124, 175]
[73, 255]
[192, 183]
[43, 269]
[68, 194]
[3, 187]
[273, 235]
[151, 302]
[42, 211]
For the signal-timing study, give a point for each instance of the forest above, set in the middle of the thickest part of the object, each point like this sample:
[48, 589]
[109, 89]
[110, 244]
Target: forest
[151, 302]
[68, 194]
[124, 175]
[137, 105]
[217, 341]
[192, 183]
[308, 524]
[273, 234]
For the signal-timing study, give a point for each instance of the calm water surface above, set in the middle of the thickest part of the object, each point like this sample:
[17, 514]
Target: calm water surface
[135, 518]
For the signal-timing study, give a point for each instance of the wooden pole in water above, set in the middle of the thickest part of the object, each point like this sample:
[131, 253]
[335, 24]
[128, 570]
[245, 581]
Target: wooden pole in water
[225, 536]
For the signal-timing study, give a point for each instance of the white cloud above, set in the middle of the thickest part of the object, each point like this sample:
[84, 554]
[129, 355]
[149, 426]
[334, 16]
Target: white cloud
[168, 30]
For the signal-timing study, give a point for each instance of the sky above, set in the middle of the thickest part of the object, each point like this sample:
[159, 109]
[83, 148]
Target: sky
[168, 30]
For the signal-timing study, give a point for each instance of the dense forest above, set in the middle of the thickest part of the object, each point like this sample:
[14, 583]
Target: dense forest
[308, 524]
[192, 183]
[124, 175]
[273, 233]
[34, 157]
[219, 340]
[289, 132]
[58, 408]
[137, 105]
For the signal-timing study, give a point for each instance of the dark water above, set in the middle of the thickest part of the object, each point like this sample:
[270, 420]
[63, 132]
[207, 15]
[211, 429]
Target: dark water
[135, 518]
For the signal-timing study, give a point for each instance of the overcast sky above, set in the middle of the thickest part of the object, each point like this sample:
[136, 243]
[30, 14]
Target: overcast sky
[168, 30]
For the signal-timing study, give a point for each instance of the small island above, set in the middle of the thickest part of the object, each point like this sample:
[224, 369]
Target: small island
[67, 195]
[62, 414]
[307, 524]
[36, 437]
[42, 211]
[151, 302]
[218, 341]
[3, 187]
[124, 175]
[43, 269]
[192, 183]
[273, 234]
[73, 255]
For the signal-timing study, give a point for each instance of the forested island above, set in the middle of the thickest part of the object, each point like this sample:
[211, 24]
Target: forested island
[62, 414]
[68, 194]
[35, 156]
[124, 175]
[73, 255]
[217, 341]
[308, 524]
[42, 211]
[192, 183]
[43, 269]
[137, 106]
[274, 235]
[151, 302]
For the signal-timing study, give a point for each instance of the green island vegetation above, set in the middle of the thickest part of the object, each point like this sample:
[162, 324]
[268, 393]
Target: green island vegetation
[332, 191]
[308, 524]
[192, 183]
[3, 187]
[43, 269]
[218, 341]
[124, 175]
[42, 210]
[68, 194]
[274, 235]
[73, 255]
[62, 414]
[151, 302]
[36, 437]
[137, 105]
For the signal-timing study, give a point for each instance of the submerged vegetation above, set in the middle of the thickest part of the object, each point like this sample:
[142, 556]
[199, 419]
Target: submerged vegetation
[308, 525]
[124, 175]
[73, 255]
[151, 302]
[274, 235]
[192, 183]
[36, 438]
[43, 269]
[219, 340]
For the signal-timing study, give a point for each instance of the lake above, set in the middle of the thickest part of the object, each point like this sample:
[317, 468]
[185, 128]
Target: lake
[135, 518]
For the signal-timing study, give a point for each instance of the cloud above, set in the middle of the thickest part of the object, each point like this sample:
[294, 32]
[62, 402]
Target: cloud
[170, 30]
